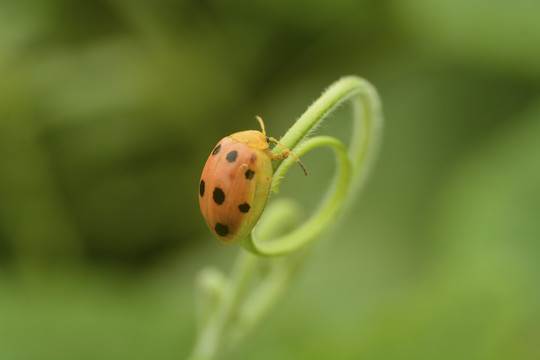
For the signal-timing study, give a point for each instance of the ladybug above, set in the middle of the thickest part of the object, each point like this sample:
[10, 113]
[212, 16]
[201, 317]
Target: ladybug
[235, 183]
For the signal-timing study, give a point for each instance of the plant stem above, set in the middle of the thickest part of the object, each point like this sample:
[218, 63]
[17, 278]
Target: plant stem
[248, 296]
[212, 339]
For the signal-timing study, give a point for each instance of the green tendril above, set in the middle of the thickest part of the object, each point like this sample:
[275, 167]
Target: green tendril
[229, 308]
[352, 162]
[321, 219]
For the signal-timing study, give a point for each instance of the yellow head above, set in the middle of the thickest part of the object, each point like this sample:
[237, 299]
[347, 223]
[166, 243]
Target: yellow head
[253, 138]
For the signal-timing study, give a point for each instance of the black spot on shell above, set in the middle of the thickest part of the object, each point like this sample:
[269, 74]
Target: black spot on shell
[201, 188]
[244, 207]
[219, 196]
[221, 230]
[231, 157]
[249, 174]
[216, 150]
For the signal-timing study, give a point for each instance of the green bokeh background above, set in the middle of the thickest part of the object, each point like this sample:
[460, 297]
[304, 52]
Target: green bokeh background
[109, 108]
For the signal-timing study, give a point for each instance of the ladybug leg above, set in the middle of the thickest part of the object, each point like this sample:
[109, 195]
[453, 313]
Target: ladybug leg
[283, 155]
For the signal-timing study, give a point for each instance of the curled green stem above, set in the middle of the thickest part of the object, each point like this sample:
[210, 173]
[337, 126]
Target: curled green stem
[230, 308]
[322, 218]
[353, 163]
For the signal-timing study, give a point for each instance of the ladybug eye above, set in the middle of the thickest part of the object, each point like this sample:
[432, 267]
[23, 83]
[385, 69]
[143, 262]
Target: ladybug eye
[267, 139]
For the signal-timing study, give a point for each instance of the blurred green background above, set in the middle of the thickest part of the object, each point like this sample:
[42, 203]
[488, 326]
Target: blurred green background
[109, 108]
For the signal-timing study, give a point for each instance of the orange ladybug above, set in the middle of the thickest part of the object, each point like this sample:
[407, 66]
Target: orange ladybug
[235, 183]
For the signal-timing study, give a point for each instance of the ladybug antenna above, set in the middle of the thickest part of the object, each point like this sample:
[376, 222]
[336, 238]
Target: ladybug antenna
[289, 152]
[262, 124]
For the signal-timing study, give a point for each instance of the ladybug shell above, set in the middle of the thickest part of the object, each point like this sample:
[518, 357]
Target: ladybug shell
[234, 186]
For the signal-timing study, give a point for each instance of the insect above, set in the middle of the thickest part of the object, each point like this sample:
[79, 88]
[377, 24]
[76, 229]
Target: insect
[235, 183]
